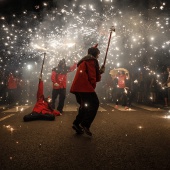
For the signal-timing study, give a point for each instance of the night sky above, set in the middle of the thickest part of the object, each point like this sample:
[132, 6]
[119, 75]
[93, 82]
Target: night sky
[67, 28]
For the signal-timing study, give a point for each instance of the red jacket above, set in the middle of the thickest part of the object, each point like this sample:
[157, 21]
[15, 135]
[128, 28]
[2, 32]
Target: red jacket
[12, 82]
[61, 79]
[121, 81]
[86, 76]
[43, 106]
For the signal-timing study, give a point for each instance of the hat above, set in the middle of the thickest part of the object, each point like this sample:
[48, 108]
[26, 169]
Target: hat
[95, 46]
[63, 61]
[94, 51]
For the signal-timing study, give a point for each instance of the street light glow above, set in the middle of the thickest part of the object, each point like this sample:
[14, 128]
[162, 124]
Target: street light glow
[29, 67]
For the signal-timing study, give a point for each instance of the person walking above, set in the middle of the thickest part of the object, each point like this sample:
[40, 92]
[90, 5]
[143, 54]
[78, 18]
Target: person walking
[59, 79]
[83, 86]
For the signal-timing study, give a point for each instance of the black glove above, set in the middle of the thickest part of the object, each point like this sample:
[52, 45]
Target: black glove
[102, 69]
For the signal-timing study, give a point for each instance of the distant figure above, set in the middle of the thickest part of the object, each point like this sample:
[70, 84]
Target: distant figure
[140, 88]
[42, 109]
[168, 84]
[153, 89]
[59, 79]
[12, 85]
[164, 78]
[2, 87]
[121, 80]
[114, 87]
[127, 94]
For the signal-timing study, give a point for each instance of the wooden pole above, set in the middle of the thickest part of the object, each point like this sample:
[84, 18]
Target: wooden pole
[111, 30]
[42, 66]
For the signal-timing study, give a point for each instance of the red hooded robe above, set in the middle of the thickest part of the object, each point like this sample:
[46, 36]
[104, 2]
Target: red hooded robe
[43, 106]
[87, 75]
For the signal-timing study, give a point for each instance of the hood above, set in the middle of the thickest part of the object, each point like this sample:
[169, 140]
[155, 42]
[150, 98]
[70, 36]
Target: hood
[85, 58]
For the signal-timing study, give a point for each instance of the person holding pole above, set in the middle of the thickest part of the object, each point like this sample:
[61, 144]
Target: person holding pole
[83, 86]
[42, 109]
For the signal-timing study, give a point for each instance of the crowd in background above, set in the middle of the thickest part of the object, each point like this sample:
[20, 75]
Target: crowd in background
[142, 88]
[138, 88]
[16, 88]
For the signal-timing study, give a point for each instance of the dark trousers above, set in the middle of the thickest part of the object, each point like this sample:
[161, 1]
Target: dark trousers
[62, 96]
[119, 95]
[89, 104]
[12, 96]
[127, 98]
[38, 116]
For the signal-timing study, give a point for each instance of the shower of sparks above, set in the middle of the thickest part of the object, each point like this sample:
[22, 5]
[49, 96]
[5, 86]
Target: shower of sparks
[167, 116]
[69, 31]
[10, 128]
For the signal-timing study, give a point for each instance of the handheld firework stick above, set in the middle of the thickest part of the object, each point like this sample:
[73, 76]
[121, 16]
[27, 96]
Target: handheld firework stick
[111, 30]
[42, 66]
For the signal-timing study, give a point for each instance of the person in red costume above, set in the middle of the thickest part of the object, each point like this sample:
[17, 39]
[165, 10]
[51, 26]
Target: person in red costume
[12, 85]
[59, 79]
[121, 78]
[83, 86]
[42, 109]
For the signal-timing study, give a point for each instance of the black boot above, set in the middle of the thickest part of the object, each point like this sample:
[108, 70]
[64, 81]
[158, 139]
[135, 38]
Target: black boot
[86, 130]
[78, 129]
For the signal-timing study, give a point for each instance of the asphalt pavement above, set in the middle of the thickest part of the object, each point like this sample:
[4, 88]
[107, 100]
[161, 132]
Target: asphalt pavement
[122, 140]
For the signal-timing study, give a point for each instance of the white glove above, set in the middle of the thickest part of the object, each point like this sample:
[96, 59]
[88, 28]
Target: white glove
[56, 84]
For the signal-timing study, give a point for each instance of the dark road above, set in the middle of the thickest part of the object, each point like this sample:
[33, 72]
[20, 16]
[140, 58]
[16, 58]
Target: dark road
[135, 140]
